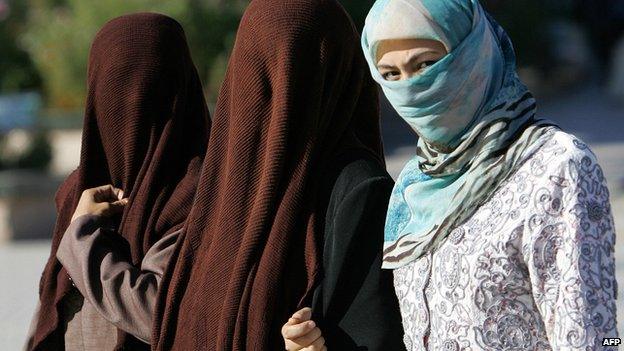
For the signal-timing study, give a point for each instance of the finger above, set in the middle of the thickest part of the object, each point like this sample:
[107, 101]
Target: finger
[298, 330]
[115, 193]
[303, 314]
[120, 203]
[106, 193]
[307, 339]
[317, 345]
[107, 209]
[290, 346]
[117, 207]
[102, 193]
[292, 321]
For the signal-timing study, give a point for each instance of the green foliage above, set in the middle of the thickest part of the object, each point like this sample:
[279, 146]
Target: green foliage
[211, 28]
[59, 34]
[58, 37]
[17, 72]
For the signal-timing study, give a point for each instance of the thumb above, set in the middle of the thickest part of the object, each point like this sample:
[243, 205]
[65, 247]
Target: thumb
[303, 314]
[111, 208]
[118, 206]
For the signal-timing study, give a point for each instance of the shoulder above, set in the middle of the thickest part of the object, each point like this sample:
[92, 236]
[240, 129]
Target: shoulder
[361, 178]
[361, 173]
[566, 156]
[566, 192]
[568, 179]
[567, 147]
[359, 198]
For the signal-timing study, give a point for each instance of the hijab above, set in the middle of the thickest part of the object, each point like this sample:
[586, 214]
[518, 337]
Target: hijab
[475, 119]
[296, 96]
[145, 131]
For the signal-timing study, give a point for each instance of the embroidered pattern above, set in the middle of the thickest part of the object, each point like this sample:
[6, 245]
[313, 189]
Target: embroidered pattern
[533, 269]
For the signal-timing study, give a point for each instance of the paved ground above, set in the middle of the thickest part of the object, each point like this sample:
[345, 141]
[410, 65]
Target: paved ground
[586, 113]
[20, 268]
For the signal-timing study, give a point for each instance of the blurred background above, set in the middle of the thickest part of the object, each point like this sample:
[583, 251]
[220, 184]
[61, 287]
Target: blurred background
[570, 53]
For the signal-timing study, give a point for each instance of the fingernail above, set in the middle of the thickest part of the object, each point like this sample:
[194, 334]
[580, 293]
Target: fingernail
[312, 324]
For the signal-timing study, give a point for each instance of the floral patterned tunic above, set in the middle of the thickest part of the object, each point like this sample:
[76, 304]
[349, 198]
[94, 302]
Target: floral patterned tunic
[533, 269]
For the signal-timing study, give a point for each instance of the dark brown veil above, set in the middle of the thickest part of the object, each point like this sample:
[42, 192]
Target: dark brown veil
[296, 95]
[145, 131]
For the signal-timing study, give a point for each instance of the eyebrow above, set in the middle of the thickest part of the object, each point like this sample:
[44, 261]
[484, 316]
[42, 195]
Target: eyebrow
[415, 56]
[386, 66]
[409, 60]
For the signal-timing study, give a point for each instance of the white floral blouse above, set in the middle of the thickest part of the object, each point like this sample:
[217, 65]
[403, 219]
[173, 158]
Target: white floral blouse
[533, 269]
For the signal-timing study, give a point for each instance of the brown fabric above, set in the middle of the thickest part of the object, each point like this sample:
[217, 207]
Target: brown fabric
[145, 131]
[296, 94]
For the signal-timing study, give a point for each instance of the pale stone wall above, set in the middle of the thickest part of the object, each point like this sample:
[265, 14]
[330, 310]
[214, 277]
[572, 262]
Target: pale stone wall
[65, 150]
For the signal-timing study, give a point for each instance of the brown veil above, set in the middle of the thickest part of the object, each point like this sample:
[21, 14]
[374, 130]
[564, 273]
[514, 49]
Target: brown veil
[145, 131]
[296, 95]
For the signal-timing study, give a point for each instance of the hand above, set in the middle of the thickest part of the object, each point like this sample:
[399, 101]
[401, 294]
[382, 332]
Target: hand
[300, 333]
[103, 201]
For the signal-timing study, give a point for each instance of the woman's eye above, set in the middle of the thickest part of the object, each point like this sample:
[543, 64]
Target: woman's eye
[392, 75]
[423, 65]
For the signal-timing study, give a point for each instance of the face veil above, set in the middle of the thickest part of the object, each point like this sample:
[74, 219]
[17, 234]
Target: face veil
[475, 119]
[145, 131]
[295, 96]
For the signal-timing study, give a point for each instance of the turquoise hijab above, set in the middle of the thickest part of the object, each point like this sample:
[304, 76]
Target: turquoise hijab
[475, 119]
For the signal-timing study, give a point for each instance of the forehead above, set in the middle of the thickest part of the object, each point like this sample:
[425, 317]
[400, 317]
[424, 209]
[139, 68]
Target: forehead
[398, 48]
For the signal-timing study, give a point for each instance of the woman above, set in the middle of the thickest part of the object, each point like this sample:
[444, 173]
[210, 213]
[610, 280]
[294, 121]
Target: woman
[499, 230]
[145, 135]
[292, 198]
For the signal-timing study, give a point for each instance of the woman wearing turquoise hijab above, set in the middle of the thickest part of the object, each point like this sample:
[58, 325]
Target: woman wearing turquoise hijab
[499, 230]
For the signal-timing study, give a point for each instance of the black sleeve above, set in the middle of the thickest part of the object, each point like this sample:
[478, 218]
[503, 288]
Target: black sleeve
[355, 306]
